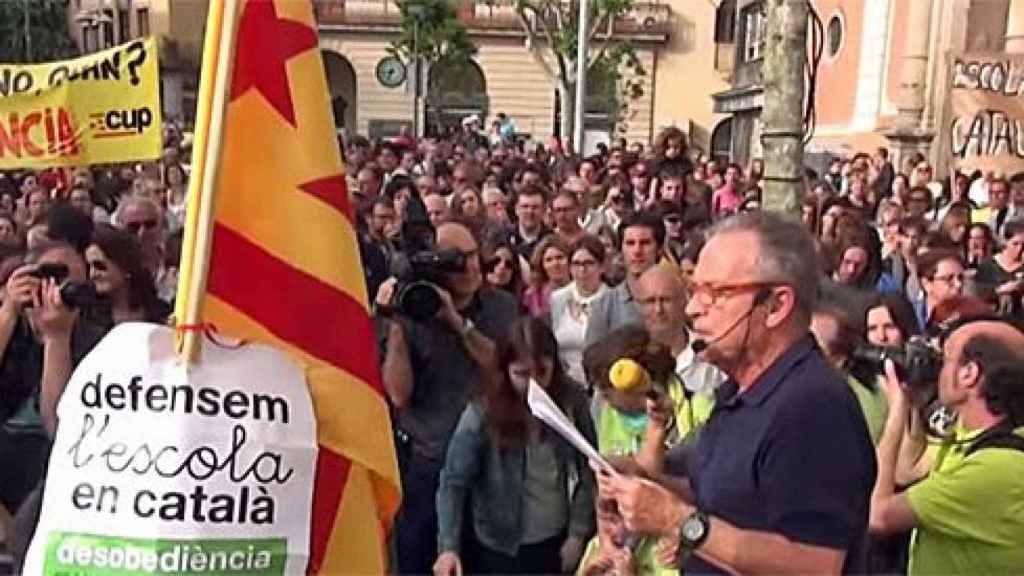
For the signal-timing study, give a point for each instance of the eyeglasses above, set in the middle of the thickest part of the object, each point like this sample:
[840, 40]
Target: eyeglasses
[584, 263]
[134, 227]
[98, 265]
[708, 294]
[957, 278]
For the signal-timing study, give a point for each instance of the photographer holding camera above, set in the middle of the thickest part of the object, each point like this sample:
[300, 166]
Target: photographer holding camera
[440, 330]
[42, 338]
[966, 510]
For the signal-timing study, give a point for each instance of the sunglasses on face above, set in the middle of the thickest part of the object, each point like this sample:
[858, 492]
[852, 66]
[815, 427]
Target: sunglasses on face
[98, 265]
[135, 227]
[673, 219]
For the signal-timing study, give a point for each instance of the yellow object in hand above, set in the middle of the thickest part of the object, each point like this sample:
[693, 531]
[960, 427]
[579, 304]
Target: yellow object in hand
[626, 374]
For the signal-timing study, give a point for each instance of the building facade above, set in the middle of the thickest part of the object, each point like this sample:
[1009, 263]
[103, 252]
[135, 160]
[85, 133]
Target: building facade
[177, 24]
[682, 45]
[882, 79]
[675, 48]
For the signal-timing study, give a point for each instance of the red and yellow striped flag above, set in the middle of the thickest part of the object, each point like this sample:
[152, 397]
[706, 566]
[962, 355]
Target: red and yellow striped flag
[284, 264]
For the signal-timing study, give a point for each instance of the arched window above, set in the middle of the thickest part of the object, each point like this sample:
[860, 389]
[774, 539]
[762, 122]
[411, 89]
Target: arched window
[455, 90]
[341, 81]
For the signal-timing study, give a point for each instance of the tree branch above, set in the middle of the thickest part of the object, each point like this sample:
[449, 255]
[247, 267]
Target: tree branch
[601, 20]
[531, 36]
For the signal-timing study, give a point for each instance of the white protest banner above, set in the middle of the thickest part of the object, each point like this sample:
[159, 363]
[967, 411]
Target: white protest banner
[159, 469]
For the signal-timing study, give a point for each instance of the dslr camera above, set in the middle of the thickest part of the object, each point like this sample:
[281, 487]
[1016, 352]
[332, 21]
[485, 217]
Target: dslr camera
[73, 294]
[918, 363]
[421, 267]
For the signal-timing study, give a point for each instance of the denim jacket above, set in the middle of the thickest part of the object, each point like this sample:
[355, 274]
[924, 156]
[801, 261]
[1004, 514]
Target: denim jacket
[495, 475]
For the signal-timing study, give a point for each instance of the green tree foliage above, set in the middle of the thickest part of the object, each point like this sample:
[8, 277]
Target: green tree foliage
[49, 38]
[552, 30]
[438, 33]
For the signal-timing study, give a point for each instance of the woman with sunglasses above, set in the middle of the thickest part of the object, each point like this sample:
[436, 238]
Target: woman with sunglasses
[501, 268]
[528, 494]
[122, 281]
[576, 309]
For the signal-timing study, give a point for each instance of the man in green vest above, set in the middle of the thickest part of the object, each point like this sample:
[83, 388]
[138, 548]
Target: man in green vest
[967, 511]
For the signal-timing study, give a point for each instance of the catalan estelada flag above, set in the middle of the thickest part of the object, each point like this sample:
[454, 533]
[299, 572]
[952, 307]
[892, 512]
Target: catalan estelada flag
[270, 205]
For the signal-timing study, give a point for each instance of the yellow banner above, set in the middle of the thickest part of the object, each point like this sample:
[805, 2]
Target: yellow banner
[97, 109]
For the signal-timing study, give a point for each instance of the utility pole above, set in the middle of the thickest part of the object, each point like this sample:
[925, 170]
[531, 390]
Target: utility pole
[782, 134]
[581, 77]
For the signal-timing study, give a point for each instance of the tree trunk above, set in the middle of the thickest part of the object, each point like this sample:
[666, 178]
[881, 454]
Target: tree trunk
[567, 100]
[782, 134]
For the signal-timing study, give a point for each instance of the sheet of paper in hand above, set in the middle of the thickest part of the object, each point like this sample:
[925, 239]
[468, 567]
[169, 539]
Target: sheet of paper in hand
[544, 409]
[159, 469]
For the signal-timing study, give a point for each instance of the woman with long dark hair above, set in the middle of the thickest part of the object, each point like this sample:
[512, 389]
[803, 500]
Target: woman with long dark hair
[122, 281]
[530, 494]
[501, 268]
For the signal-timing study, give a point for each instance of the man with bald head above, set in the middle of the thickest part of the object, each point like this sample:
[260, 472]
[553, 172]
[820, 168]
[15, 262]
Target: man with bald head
[967, 511]
[430, 367]
[662, 299]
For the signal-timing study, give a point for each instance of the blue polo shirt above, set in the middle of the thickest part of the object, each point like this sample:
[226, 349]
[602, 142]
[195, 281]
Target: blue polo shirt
[790, 455]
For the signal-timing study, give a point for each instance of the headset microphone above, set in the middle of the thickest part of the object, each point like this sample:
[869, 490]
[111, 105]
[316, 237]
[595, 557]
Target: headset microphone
[699, 345]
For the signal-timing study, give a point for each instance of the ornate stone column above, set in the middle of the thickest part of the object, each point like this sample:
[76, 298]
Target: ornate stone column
[908, 136]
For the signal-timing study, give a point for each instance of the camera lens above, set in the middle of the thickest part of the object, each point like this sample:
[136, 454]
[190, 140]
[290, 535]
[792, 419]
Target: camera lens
[418, 300]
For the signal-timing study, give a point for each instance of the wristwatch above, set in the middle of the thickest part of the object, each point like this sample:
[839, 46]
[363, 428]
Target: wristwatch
[694, 531]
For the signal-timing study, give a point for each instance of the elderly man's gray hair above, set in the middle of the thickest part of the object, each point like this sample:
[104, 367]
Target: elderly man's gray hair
[786, 256]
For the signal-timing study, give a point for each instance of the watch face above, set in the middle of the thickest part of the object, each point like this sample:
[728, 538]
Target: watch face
[390, 72]
[693, 529]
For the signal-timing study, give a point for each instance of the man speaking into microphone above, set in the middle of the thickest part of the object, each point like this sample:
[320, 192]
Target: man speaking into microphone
[781, 476]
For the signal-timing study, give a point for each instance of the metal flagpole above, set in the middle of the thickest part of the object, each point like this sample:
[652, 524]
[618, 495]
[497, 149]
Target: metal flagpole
[581, 76]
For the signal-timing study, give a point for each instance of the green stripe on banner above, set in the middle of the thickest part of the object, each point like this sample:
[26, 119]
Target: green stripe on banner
[73, 554]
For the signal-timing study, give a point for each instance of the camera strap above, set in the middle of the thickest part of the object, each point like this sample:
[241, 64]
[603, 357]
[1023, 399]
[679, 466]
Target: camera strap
[999, 436]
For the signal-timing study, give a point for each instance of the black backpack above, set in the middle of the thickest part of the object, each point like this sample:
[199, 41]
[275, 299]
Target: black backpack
[999, 436]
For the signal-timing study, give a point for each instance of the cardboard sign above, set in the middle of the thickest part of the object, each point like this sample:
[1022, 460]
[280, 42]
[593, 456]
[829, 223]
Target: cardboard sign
[986, 128]
[156, 469]
[100, 108]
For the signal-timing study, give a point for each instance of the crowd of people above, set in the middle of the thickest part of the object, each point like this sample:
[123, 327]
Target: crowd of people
[80, 251]
[572, 264]
[725, 360]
